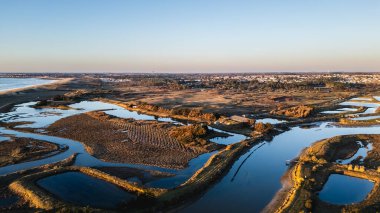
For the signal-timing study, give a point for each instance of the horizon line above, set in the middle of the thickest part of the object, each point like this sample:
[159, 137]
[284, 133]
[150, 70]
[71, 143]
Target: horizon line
[197, 72]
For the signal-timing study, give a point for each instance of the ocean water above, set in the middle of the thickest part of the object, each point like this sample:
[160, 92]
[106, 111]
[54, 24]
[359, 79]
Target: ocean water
[15, 83]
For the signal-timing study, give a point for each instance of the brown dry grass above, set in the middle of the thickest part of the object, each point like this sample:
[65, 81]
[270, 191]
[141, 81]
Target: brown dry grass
[127, 172]
[127, 141]
[231, 102]
[300, 111]
[24, 149]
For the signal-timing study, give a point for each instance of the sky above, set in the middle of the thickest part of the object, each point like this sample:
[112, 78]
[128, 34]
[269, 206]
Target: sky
[189, 35]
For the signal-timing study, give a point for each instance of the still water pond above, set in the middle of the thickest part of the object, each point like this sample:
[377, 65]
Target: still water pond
[81, 189]
[342, 189]
[6, 202]
[270, 120]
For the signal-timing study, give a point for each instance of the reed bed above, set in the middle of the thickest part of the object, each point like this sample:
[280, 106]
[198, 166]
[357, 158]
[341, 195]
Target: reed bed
[126, 141]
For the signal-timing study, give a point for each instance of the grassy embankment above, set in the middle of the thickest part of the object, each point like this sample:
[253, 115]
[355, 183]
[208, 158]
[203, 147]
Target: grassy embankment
[312, 169]
[27, 188]
[161, 112]
[358, 123]
[6, 180]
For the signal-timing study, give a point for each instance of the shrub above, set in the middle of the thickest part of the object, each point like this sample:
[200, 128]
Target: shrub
[308, 204]
[263, 128]
[16, 152]
[191, 134]
[300, 111]
[42, 103]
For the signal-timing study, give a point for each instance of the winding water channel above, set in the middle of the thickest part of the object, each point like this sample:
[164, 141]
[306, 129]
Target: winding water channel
[249, 185]
[252, 182]
[40, 118]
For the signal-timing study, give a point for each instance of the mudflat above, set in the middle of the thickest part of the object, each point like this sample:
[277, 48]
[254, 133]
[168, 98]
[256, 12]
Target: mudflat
[126, 141]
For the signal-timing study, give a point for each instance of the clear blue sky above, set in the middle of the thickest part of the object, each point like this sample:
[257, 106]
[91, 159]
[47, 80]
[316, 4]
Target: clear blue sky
[189, 35]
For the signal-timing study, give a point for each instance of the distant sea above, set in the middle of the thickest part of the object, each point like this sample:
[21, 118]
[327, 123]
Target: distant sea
[16, 83]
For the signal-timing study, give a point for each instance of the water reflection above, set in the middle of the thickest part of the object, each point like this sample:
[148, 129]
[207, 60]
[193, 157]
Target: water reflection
[46, 116]
[341, 189]
[270, 120]
[359, 104]
[83, 190]
[362, 153]
[366, 118]
[259, 177]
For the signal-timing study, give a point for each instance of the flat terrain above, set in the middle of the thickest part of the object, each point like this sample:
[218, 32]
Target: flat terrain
[19, 150]
[126, 141]
[231, 102]
[9, 99]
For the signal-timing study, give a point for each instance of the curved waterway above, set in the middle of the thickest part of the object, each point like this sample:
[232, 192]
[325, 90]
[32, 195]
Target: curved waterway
[249, 185]
[40, 118]
[255, 178]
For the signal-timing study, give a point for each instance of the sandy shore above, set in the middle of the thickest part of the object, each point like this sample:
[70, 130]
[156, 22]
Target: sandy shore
[281, 197]
[11, 97]
[54, 82]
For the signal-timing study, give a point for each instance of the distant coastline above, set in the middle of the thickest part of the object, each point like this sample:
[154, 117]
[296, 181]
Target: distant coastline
[34, 86]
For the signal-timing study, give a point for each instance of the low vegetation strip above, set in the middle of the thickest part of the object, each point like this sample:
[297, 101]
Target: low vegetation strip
[131, 187]
[300, 111]
[350, 122]
[178, 113]
[217, 163]
[16, 184]
[125, 173]
[36, 197]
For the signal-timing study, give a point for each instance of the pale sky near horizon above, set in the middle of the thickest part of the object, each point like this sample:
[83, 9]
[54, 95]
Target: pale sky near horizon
[189, 35]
